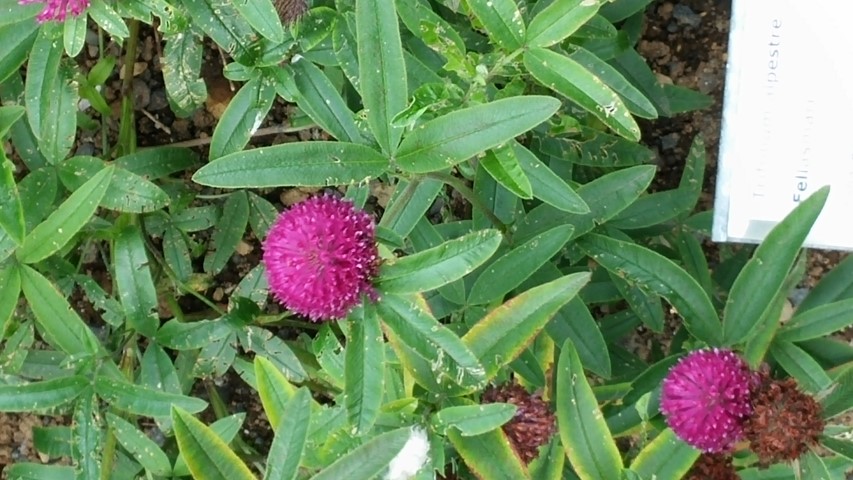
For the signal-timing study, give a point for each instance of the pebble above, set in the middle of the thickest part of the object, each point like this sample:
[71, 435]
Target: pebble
[85, 149]
[686, 16]
[141, 94]
[158, 100]
[669, 141]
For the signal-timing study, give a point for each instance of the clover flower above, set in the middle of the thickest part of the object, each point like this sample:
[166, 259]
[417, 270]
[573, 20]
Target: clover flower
[57, 10]
[706, 399]
[533, 424]
[320, 257]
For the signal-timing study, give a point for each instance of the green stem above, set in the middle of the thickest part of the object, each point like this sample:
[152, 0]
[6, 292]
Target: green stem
[127, 125]
[459, 185]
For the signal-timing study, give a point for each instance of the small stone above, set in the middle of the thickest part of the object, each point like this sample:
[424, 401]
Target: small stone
[92, 38]
[158, 100]
[85, 149]
[141, 94]
[665, 10]
[669, 141]
[684, 15]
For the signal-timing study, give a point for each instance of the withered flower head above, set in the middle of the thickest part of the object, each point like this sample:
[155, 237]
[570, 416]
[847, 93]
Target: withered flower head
[533, 423]
[290, 10]
[784, 421]
[713, 466]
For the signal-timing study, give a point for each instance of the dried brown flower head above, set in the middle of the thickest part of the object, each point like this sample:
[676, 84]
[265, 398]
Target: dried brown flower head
[290, 10]
[784, 422]
[533, 423]
[713, 466]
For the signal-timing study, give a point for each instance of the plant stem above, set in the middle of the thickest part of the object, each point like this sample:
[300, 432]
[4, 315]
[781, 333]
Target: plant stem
[127, 124]
[459, 185]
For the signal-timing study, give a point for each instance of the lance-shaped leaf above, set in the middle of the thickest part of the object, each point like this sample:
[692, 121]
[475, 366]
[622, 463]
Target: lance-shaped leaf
[134, 281]
[489, 455]
[294, 164]
[322, 102]
[141, 448]
[143, 401]
[502, 20]
[666, 456]
[452, 138]
[11, 209]
[473, 420]
[559, 20]
[364, 368]
[290, 438]
[242, 117]
[370, 459]
[181, 63]
[502, 334]
[41, 395]
[206, 455]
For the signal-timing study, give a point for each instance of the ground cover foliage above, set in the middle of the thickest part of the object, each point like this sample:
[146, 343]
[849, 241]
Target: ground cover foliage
[521, 306]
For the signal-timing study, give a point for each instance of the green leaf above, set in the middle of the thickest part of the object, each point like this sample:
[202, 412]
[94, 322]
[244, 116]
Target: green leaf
[51, 97]
[381, 69]
[834, 286]
[157, 162]
[18, 38]
[448, 358]
[500, 336]
[503, 165]
[9, 115]
[242, 117]
[143, 401]
[181, 64]
[364, 369]
[41, 395]
[134, 281]
[369, 459]
[229, 231]
[74, 34]
[10, 290]
[51, 235]
[644, 304]
[86, 437]
[666, 456]
[226, 429]
[409, 204]
[547, 185]
[273, 388]
[177, 254]
[584, 433]
[572, 80]
[37, 471]
[454, 137]
[323, 103]
[473, 420]
[489, 455]
[840, 397]
[127, 192]
[108, 19]
[768, 267]
[294, 164]
[263, 342]
[841, 447]
[439, 265]
[290, 438]
[634, 99]
[60, 325]
[517, 265]
[818, 322]
[559, 20]
[140, 447]
[206, 455]
[13, 12]
[574, 322]
[11, 209]
[800, 365]
[263, 17]
[813, 466]
[192, 335]
[502, 21]
[655, 273]
[221, 22]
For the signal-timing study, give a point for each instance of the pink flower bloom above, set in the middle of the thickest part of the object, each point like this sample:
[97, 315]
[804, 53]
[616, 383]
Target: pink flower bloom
[320, 257]
[57, 10]
[706, 399]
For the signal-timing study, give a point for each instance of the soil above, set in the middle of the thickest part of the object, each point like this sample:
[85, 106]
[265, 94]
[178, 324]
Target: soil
[684, 42]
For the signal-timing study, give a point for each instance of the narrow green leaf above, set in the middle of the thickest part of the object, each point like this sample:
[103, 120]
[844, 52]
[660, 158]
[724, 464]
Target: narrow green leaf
[9, 115]
[503, 165]
[517, 265]
[107, 18]
[818, 322]
[193, 335]
[320, 99]
[229, 231]
[666, 456]
[226, 429]
[263, 342]
[242, 117]
[206, 455]
[364, 369]
[74, 34]
[547, 185]
[800, 365]
[369, 459]
[503, 333]
[768, 267]
[636, 102]
[127, 192]
[452, 138]
[656, 273]
[572, 80]
[273, 388]
[181, 64]
[18, 38]
[502, 20]
[439, 265]
[41, 395]
[841, 447]
[140, 447]
[290, 438]
[834, 286]
[574, 322]
[86, 437]
[11, 209]
[584, 433]
[51, 235]
[644, 304]
[10, 290]
[473, 420]
[134, 281]
[449, 359]
[60, 325]
[221, 22]
[263, 17]
[37, 471]
[489, 455]
[13, 12]
[813, 466]
[409, 204]
[177, 253]
[381, 69]
[143, 401]
[294, 164]
[157, 162]
[840, 397]
[559, 20]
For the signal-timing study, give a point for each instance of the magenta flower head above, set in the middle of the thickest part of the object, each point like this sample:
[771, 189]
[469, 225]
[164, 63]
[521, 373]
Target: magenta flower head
[706, 399]
[320, 257]
[58, 10]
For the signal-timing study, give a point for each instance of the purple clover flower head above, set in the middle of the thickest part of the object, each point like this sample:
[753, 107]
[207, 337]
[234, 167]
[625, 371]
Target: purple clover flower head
[58, 10]
[706, 399]
[320, 257]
